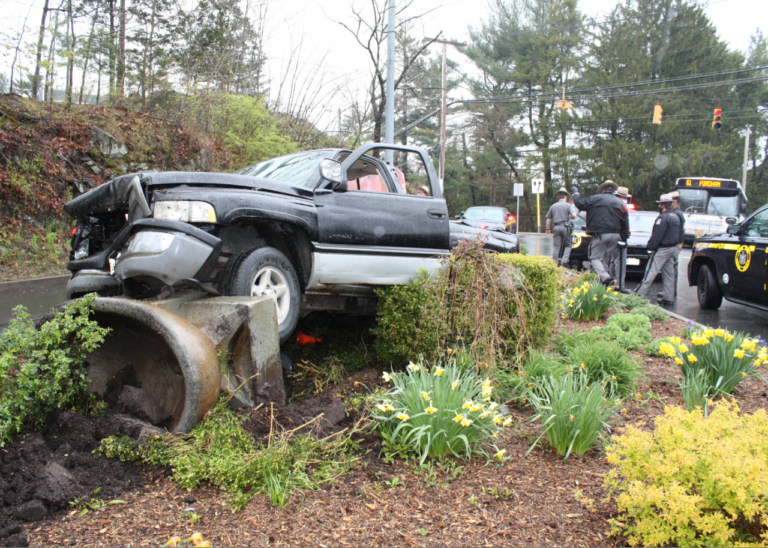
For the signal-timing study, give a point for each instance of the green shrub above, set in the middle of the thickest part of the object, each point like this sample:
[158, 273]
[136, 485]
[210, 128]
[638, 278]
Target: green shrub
[696, 390]
[219, 451]
[516, 384]
[573, 412]
[630, 301]
[691, 480]
[435, 411]
[589, 301]
[400, 336]
[652, 348]
[541, 280]
[565, 340]
[631, 331]
[44, 370]
[726, 358]
[605, 363]
[652, 312]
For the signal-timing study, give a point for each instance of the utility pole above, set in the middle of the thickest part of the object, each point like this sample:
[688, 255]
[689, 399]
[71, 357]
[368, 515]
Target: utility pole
[445, 43]
[746, 162]
[389, 128]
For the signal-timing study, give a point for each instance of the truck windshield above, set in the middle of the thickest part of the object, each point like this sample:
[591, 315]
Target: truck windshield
[693, 200]
[294, 170]
[484, 214]
[723, 205]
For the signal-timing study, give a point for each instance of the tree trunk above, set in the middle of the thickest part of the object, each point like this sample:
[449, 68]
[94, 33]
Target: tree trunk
[146, 61]
[121, 53]
[50, 72]
[41, 36]
[112, 86]
[71, 55]
[88, 55]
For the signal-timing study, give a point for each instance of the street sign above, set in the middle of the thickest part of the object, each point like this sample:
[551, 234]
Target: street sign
[518, 189]
[537, 186]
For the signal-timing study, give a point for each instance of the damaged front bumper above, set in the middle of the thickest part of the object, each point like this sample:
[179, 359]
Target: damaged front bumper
[169, 252]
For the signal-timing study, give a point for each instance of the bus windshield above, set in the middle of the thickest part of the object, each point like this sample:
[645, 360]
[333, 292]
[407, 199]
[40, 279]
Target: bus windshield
[692, 200]
[723, 205]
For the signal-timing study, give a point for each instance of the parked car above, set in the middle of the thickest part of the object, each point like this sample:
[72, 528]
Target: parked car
[489, 218]
[640, 227]
[732, 265]
[315, 230]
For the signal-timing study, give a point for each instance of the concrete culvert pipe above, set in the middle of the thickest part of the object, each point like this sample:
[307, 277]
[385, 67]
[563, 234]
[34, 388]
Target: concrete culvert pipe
[156, 361]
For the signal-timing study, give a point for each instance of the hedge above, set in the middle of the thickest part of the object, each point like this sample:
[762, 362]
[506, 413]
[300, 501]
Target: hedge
[541, 277]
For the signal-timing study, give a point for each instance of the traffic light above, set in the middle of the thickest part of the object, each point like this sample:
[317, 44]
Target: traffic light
[716, 121]
[657, 110]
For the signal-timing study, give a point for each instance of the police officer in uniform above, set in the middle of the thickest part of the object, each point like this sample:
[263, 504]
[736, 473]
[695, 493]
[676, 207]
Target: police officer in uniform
[607, 222]
[663, 244]
[680, 241]
[615, 266]
[559, 225]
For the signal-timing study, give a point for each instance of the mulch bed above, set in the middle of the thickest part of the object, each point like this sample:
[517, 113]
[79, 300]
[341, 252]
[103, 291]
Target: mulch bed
[528, 501]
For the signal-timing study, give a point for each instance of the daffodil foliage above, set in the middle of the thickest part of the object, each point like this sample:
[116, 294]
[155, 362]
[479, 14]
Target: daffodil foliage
[588, 301]
[717, 357]
[439, 409]
[573, 410]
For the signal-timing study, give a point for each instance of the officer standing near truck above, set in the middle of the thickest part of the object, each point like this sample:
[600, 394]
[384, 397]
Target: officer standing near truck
[559, 224]
[607, 223]
[663, 244]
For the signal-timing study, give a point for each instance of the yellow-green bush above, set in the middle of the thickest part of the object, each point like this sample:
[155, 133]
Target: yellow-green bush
[541, 279]
[693, 480]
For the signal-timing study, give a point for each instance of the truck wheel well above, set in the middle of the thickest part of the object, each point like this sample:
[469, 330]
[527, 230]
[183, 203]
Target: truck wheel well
[698, 262]
[291, 240]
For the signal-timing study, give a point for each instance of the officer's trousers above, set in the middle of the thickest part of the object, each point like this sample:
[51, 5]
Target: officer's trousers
[662, 260]
[561, 244]
[601, 250]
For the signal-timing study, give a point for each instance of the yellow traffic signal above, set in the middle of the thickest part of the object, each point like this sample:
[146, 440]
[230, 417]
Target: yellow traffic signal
[716, 121]
[657, 110]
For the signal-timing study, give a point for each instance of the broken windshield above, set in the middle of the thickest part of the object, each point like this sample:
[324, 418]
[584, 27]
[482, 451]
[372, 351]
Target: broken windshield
[294, 170]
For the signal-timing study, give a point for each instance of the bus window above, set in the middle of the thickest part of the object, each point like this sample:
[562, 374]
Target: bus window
[723, 205]
[692, 200]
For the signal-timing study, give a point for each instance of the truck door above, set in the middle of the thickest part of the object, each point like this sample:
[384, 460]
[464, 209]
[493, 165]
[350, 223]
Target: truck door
[372, 231]
[750, 258]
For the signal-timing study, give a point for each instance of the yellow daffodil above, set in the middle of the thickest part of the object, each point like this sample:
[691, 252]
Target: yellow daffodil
[475, 408]
[708, 333]
[582, 366]
[493, 405]
[675, 340]
[466, 422]
[720, 332]
[507, 421]
[729, 337]
[638, 396]
[744, 375]
[624, 411]
[500, 454]
[678, 361]
[389, 407]
[413, 367]
[692, 358]
[454, 384]
[438, 371]
[567, 368]
[425, 395]
[380, 407]
[613, 378]
[572, 417]
[497, 419]
[467, 404]
[594, 298]
[175, 541]
[571, 301]
[195, 538]
[386, 377]
[495, 434]
[431, 410]
[738, 353]
[485, 414]
[449, 351]
[403, 416]
[458, 418]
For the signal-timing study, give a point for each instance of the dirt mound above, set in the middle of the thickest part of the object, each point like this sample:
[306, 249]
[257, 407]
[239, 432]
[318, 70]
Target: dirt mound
[263, 420]
[41, 473]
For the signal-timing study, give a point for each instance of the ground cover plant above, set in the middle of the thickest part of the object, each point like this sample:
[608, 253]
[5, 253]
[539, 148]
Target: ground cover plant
[630, 330]
[717, 357]
[606, 363]
[651, 312]
[630, 301]
[43, 370]
[707, 490]
[515, 384]
[220, 452]
[589, 301]
[439, 409]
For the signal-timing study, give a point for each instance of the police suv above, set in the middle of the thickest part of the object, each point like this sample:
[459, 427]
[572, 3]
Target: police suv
[733, 265]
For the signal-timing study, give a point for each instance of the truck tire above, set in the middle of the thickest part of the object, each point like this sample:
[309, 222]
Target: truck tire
[709, 293]
[266, 271]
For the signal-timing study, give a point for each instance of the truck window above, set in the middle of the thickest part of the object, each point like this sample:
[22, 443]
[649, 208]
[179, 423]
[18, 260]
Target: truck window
[294, 170]
[757, 226]
[693, 200]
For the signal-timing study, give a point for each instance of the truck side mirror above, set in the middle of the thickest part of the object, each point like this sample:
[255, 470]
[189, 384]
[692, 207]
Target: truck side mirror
[733, 228]
[331, 170]
[743, 209]
[731, 220]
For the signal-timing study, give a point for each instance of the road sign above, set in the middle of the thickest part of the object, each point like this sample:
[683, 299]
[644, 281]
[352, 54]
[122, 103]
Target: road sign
[537, 186]
[518, 189]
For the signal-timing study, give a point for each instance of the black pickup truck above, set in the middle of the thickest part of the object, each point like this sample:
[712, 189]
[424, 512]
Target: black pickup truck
[315, 230]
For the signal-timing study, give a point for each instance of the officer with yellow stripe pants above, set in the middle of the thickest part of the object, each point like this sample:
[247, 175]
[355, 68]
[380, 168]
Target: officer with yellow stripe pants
[663, 244]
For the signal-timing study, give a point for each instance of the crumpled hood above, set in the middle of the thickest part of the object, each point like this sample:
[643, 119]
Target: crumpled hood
[116, 193]
[501, 242]
[489, 225]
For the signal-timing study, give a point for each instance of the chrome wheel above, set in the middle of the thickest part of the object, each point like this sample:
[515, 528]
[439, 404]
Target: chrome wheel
[270, 282]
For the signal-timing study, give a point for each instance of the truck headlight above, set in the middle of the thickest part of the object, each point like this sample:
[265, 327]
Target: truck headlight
[188, 212]
[149, 242]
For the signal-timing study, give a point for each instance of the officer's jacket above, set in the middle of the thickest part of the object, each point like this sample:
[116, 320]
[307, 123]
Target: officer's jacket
[681, 238]
[606, 214]
[666, 231]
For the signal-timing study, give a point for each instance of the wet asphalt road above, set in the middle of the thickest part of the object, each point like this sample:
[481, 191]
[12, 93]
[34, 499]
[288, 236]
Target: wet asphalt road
[734, 317]
[37, 301]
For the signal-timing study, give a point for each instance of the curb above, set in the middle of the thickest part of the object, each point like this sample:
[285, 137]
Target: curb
[678, 316]
[33, 283]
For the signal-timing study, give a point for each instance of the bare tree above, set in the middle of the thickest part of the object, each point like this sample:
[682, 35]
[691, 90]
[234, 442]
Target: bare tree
[370, 32]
